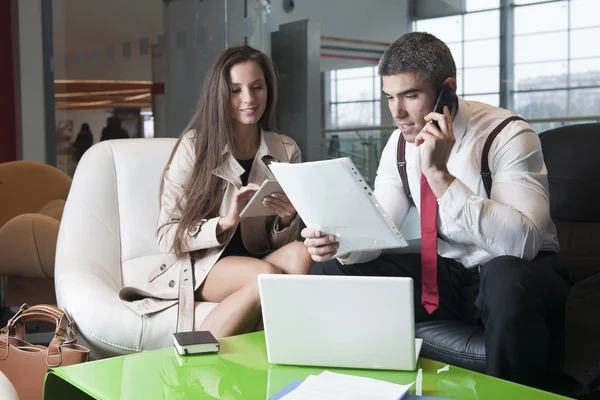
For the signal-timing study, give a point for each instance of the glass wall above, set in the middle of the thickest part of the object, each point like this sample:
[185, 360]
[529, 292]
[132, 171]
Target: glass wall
[354, 100]
[104, 80]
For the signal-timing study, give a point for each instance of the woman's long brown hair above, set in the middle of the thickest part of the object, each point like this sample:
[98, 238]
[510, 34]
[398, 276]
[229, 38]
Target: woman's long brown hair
[214, 130]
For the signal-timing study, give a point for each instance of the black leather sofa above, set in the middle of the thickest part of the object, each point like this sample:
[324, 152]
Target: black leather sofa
[572, 158]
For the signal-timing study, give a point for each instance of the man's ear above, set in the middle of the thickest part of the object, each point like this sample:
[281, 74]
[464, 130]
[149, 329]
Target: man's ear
[451, 82]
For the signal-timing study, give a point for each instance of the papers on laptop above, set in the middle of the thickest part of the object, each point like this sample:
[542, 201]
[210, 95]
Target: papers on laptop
[333, 386]
[333, 197]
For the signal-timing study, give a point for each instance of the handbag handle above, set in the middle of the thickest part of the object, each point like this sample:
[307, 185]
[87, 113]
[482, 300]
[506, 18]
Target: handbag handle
[63, 334]
[47, 313]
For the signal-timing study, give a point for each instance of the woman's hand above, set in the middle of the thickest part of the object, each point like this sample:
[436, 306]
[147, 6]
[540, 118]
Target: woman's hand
[280, 203]
[241, 198]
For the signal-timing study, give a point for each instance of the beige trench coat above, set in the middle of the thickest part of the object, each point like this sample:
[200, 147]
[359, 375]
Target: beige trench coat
[172, 281]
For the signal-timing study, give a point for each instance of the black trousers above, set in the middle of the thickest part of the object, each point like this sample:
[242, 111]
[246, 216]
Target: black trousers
[520, 303]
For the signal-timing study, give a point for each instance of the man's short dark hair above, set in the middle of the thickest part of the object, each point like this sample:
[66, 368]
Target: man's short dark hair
[421, 52]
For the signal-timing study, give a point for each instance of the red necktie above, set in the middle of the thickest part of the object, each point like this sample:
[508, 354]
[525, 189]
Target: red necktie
[429, 296]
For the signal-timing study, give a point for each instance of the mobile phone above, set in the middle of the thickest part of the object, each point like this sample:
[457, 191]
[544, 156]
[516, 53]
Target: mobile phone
[446, 97]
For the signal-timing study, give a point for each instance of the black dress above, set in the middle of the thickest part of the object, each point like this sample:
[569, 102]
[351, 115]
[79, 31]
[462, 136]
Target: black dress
[235, 247]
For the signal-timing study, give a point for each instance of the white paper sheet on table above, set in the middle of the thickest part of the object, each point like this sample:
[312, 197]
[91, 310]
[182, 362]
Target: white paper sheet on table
[332, 386]
[333, 197]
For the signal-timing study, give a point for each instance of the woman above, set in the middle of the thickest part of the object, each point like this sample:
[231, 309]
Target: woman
[214, 170]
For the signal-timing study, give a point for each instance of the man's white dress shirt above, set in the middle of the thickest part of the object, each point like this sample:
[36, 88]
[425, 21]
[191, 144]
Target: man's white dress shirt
[474, 229]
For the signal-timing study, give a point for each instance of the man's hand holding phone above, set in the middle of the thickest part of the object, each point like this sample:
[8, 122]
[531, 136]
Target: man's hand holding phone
[437, 139]
[320, 246]
[437, 142]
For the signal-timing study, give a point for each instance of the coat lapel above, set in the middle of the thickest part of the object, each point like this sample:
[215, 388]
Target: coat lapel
[230, 169]
[270, 145]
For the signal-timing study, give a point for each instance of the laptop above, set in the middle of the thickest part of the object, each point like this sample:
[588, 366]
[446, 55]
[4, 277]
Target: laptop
[339, 321]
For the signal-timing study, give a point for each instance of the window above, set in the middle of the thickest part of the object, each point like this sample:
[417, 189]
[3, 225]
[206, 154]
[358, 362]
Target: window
[355, 97]
[563, 82]
[473, 39]
[556, 66]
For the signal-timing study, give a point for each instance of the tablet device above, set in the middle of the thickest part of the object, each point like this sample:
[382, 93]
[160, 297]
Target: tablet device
[255, 207]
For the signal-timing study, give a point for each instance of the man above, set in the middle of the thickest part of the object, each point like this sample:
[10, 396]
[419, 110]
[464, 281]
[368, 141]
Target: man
[495, 256]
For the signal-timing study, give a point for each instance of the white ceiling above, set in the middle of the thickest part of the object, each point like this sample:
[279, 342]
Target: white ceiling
[83, 24]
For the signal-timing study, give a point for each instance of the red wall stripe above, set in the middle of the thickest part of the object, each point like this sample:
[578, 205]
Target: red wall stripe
[158, 88]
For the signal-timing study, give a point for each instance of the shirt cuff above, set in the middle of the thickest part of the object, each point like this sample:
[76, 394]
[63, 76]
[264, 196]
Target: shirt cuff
[455, 198]
[349, 258]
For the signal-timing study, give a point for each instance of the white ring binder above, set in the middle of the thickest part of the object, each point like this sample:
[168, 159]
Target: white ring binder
[333, 197]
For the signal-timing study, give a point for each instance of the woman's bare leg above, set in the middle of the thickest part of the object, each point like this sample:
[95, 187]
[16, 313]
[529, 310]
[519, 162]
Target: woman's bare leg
[233, 283]
[292, 258]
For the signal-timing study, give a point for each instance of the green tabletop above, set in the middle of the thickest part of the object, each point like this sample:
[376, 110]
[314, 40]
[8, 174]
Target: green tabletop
[241, 371]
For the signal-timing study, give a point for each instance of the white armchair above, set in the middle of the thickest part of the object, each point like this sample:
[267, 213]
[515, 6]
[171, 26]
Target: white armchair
[107, 240]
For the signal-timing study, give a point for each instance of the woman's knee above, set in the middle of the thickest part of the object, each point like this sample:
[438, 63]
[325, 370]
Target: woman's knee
[265, 267]
[299, 250]
[260, 267]
[299, 258]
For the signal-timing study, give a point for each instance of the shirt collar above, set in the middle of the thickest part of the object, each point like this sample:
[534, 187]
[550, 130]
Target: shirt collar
[461, 120]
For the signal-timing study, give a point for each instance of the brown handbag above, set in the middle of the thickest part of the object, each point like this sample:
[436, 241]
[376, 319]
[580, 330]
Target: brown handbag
[25, 364]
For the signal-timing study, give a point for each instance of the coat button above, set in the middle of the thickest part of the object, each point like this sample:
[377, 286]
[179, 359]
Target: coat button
[171, 284]
[163, 267]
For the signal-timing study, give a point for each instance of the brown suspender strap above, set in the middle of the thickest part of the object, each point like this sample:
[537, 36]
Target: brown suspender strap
[486, 175]
[401, 164]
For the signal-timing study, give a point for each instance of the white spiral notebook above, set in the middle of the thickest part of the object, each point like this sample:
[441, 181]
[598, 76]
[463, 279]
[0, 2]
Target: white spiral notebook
[333, 197]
